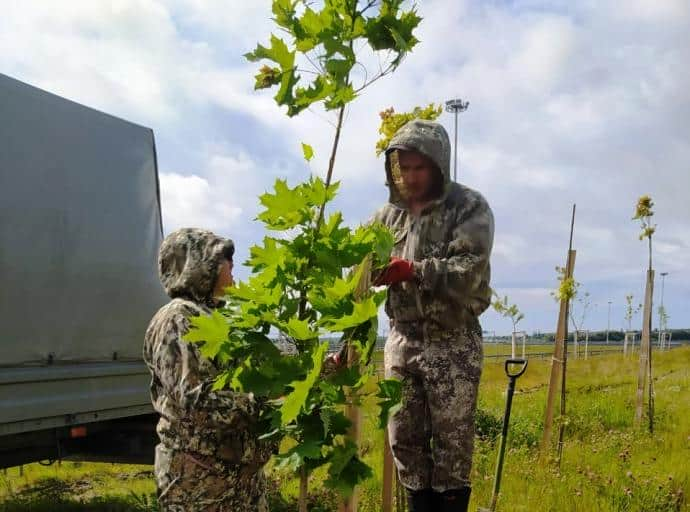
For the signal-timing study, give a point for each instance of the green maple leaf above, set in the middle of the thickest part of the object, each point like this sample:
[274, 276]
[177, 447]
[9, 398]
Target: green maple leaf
[384, 242]
[221, 381]
[307, 151]
[285, 208]
[339, 68]
[362, 312]
[390, 393]
[284, 12]
[296, 400]
[335, 300]
[342, 96]
[271, 254]
[278, 53]
[209, 330]
[346, 469]
[254, 291]
[318, 90]
[267, 77]
[331, 230]
[299, 329]
[296, 456]
[281, 55]
[316, 193]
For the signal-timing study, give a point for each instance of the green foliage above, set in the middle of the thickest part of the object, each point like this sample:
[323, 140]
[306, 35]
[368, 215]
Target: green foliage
[324, 40]
[567, 286]
[391, 122]
[630, 309]
[210, 332]
[314, 279]
[309, 282]
[307, 151]
[296, 401]
[506, 310]
[390, 393]
[644, 213]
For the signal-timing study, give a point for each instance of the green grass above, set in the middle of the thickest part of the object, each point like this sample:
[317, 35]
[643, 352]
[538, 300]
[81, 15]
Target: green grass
[608, 464]
[76, 486]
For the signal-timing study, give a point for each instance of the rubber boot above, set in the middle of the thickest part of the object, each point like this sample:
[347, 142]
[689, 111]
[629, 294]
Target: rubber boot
[421, 501]
[454, 500]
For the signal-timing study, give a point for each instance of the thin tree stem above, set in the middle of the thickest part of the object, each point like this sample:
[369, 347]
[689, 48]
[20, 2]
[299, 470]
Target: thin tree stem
[331, 163]
[303, 489]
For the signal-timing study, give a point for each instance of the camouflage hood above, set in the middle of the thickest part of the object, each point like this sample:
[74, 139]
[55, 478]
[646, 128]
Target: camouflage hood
[426, 137]
[188, 263]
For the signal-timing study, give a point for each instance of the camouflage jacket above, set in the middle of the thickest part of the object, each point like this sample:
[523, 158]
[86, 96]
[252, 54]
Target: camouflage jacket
[216, 426]
[450, 242]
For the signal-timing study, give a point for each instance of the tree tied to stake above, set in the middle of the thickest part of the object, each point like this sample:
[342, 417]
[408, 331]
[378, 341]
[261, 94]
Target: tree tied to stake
[311, 281]
[644, 213]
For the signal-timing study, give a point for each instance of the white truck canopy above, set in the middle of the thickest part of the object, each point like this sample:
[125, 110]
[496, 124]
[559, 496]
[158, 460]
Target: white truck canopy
[80, 228]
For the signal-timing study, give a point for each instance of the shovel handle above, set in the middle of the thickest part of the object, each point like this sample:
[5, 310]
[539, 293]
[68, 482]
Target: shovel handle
[512, 362]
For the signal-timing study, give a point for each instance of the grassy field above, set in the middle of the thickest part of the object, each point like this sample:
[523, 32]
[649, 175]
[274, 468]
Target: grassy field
[607, 465]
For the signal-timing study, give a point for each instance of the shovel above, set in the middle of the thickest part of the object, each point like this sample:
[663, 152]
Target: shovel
[521, 365]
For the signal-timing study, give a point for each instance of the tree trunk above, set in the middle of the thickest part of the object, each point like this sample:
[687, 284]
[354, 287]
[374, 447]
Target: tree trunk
[645, 354]
[576, 349]
[303, 490]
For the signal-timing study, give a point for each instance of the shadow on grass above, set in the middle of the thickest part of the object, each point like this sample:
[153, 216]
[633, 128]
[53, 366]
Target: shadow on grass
[54, 495]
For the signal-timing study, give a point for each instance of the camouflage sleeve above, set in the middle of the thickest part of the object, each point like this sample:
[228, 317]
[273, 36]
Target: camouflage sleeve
[188, 378]
[459, 275]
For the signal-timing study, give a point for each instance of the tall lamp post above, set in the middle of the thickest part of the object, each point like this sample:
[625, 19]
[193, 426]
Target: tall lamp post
[456, 106]
[608, 324]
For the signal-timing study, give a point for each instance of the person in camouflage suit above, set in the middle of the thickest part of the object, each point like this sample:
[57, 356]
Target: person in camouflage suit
[438, 282]
[209, 458]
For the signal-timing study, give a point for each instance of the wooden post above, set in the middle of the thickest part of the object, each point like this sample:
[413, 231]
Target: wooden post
[400, 497]
[629, 337]
[645, 349]
[352, 413]
[625, 345]
[558, 359]
[388, 475]
[512, 345]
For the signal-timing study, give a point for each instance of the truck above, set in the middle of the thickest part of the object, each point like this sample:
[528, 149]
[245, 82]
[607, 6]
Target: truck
[80, 229]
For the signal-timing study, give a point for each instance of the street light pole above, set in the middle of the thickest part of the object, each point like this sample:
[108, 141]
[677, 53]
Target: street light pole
[456, 106]
[608, 324]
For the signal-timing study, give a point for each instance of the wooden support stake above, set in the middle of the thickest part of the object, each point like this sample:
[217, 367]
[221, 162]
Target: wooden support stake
[388, 475]
[352, 413]
[645, 351]
[558, 359]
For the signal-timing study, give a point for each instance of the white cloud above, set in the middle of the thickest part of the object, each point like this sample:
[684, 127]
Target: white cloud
[190, 201]
[585, 102]
[220, 199]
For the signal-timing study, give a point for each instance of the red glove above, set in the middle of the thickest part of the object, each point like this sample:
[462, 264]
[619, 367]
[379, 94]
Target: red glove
[397, 271]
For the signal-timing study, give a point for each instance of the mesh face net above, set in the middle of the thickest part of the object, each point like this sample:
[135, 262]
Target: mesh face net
[396, 174]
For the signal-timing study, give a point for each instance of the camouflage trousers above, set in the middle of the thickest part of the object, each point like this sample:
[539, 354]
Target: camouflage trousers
[188, 483]
[432, 435]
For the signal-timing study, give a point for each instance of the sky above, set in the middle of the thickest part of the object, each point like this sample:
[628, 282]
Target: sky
[583, 103]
